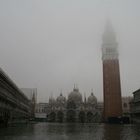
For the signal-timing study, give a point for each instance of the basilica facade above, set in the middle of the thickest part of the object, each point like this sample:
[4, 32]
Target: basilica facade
[74, 108]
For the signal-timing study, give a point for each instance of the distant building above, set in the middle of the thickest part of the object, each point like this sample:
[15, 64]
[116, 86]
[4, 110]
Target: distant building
[126, 105]
[73, 109]
[31, 94]
[41, 108]
[41, 111]
[135, 107]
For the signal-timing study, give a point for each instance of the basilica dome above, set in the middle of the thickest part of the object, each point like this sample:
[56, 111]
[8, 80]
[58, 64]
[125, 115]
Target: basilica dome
[75, 96]
[92, 99]
[61, 99]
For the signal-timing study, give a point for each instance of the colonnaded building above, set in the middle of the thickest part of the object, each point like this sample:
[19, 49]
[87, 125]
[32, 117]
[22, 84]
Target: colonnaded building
[74, 109]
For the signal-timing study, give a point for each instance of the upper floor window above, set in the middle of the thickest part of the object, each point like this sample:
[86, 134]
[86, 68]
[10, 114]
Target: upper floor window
[125, 105]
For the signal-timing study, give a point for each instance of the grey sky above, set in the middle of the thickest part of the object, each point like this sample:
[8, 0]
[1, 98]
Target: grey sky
[52, 44]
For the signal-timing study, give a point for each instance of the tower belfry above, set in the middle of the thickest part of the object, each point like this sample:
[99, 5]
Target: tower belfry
[111, 74]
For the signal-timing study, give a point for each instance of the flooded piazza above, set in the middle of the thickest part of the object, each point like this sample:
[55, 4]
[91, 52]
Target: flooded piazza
[76, 131]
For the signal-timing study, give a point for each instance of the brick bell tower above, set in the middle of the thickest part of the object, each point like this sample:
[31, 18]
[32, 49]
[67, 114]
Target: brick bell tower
[111, 75]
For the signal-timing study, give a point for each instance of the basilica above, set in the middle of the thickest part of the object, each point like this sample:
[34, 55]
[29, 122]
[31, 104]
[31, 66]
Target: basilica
[74, 108]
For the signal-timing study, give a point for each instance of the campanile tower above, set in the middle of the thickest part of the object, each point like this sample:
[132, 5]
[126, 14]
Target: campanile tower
[111, 75]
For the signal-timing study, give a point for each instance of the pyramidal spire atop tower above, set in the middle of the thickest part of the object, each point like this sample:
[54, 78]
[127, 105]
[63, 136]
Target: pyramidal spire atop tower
[109, 33]
[109, 43]
[85, 99]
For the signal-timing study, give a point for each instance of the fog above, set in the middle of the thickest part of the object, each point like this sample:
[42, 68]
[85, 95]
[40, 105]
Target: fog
[53, 44]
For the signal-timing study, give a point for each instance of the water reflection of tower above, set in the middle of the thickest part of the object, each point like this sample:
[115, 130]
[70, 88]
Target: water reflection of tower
[111, 75]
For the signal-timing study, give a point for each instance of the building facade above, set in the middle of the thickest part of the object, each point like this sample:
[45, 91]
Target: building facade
[126, 105]
[135, 107]
[111, 75]
[73, 109]
[14, 105]
[41, 111]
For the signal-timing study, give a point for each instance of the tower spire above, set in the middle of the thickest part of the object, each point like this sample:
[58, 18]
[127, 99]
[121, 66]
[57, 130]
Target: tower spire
[74, 86]
[61, 92]
[92, 91]
[109, 36]
[109, 44]
[85, 100]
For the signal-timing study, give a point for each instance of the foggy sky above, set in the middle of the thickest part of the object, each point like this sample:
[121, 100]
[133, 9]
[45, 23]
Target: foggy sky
[52, 44]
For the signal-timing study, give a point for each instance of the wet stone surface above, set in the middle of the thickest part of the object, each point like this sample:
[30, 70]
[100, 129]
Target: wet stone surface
[58, 131]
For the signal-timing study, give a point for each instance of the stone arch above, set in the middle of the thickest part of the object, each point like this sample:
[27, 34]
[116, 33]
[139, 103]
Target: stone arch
[71, 116]
[82, 116]
[71, 105]
[60, 116]
[89, 117]
[52, 117]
